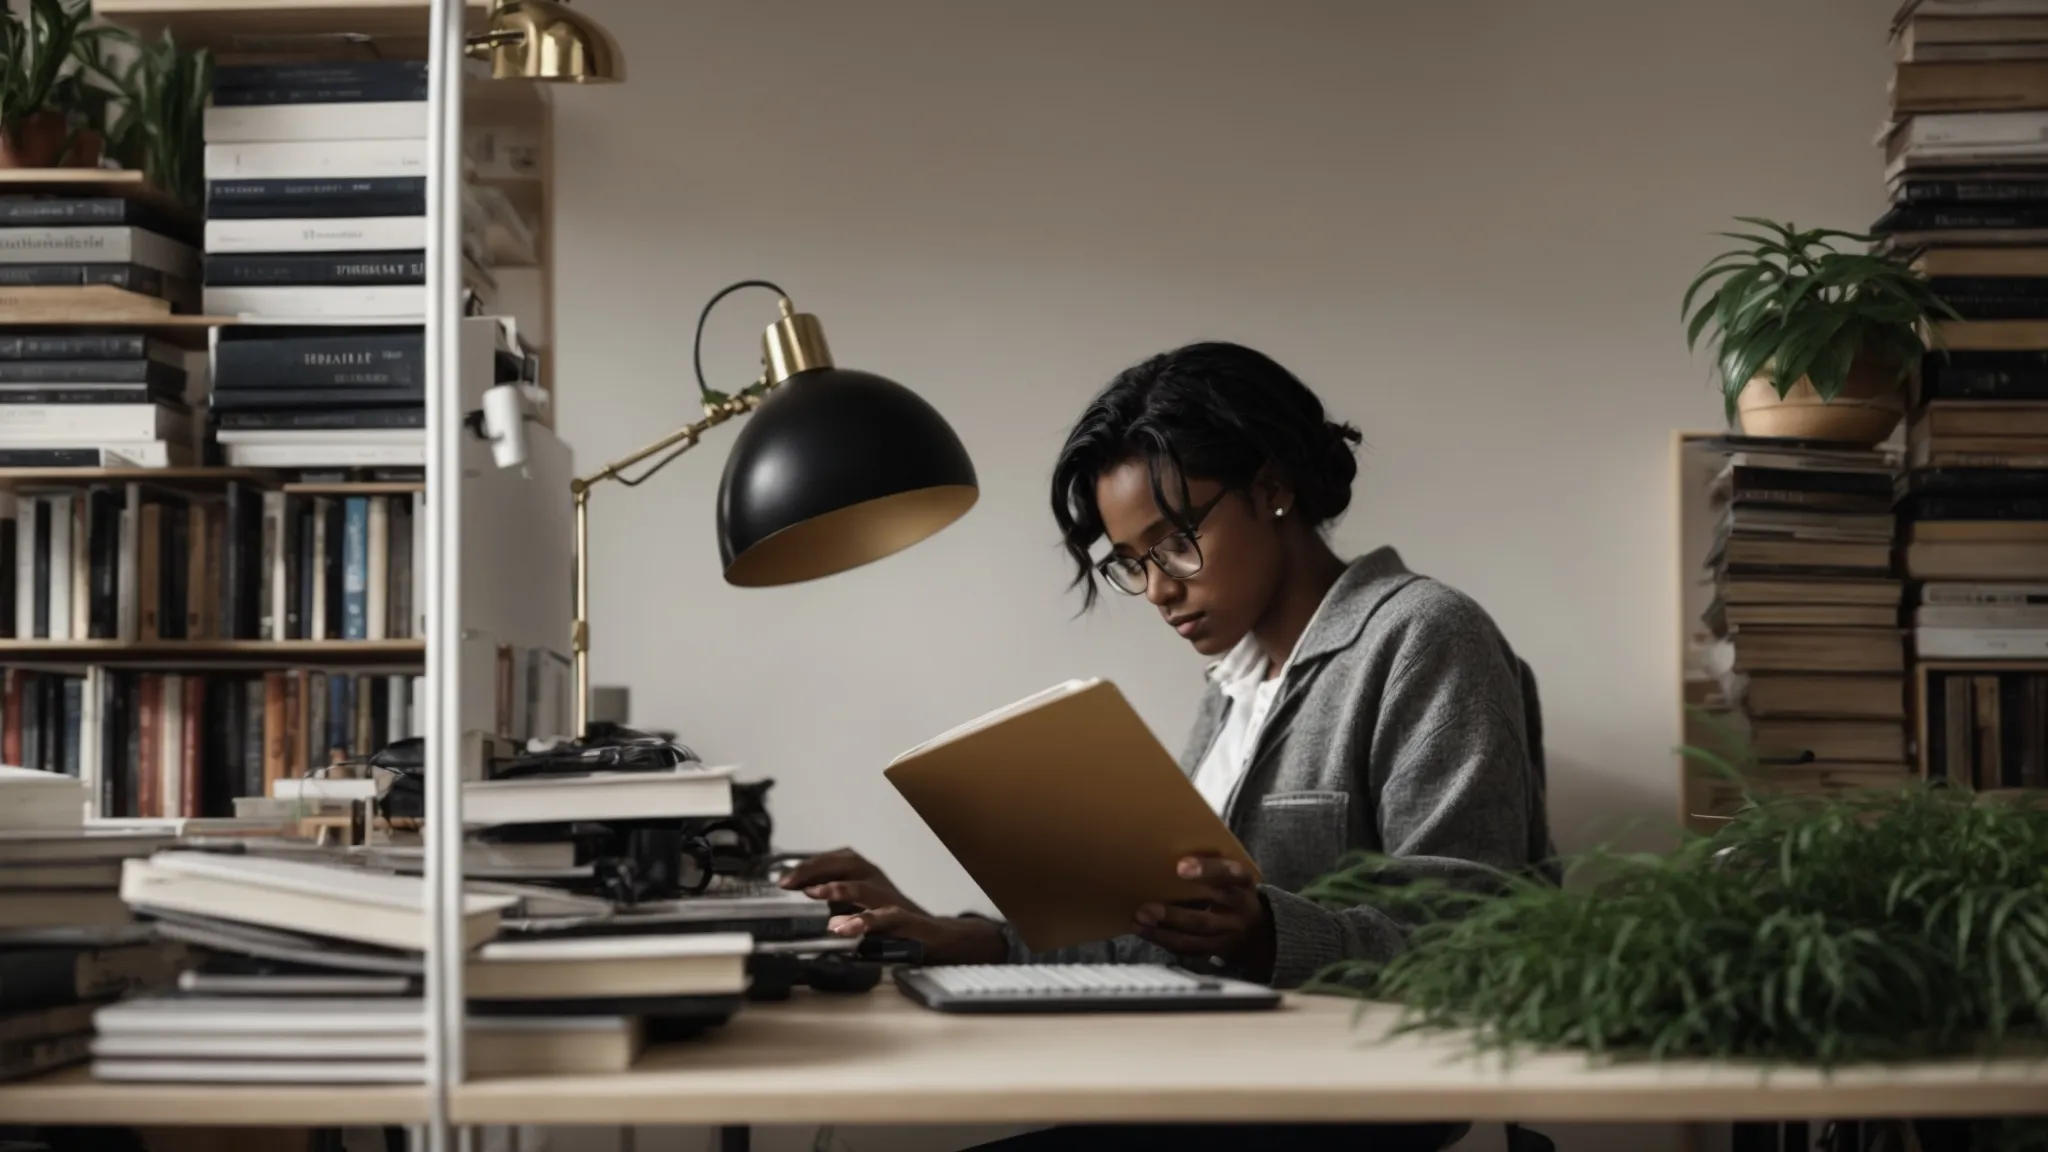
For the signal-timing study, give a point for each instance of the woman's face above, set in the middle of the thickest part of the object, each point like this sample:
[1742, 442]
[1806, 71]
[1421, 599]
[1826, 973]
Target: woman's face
[1239, 545]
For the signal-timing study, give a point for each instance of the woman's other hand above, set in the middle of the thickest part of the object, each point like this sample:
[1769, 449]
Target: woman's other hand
[1234, 927]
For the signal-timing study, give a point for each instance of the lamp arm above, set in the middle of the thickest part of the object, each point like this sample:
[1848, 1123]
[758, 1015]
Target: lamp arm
[675, 444]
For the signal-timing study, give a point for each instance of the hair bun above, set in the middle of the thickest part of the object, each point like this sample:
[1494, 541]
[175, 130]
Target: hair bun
[1337, 468]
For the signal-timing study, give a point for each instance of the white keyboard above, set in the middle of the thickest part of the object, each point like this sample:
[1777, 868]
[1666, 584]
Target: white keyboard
[1077, 988]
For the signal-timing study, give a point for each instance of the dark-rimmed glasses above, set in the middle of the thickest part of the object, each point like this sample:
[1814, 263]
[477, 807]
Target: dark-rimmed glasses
[1178, 555]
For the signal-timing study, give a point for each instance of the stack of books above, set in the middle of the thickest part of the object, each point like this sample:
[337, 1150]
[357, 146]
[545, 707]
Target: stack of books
[1805, 639]
[1967, 148]
[311, 972]
[93, 399]
[316, 220]
[67, 943]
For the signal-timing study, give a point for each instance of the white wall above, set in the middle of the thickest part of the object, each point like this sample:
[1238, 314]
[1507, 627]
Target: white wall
[1466, 224]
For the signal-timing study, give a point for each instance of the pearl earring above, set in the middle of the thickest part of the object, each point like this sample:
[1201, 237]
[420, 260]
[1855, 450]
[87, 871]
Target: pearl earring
[1279, 512]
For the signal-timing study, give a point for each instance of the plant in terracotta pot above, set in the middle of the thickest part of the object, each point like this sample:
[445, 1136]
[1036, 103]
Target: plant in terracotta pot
[1811, 342]
[46, 99]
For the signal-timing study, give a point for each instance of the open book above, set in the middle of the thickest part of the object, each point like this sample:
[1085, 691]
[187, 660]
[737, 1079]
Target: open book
[1066, 810]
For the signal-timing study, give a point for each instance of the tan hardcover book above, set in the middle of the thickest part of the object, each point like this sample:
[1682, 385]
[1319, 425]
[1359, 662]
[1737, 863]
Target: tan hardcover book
[1066, 810]
[1988, 86]
[1982, 262]
[1946, 418]
[197, 517]
[81, 566]
[275, 755]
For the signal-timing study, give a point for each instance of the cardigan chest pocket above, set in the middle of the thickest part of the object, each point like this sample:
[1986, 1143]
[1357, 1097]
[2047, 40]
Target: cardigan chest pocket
[1298, 837]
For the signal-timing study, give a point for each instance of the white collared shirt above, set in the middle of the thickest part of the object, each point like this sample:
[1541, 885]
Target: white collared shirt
[1242, 677]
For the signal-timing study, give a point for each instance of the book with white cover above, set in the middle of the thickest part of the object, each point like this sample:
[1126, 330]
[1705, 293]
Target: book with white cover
[365, 120]
[316, 160]
[685, 793]
[342, 234]
[310, 1016]
[343, 902]
[690, 964]
[40, 801]
[77, 843]
[261, 1071]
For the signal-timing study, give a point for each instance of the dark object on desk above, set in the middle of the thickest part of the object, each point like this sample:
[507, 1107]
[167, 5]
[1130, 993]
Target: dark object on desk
[1078, 988]
[830, 964]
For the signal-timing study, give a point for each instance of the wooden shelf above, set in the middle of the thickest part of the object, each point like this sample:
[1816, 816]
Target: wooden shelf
[212, 651]
[74, 1097]
[239, 27]
[96, 305]
[357, 488]
[162, 477]
[116, 183]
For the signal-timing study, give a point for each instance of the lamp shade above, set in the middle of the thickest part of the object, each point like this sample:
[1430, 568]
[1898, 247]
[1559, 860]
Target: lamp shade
[547, 40]
[836, 469]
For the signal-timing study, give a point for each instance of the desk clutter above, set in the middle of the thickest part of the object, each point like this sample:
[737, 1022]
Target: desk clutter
[617, 894]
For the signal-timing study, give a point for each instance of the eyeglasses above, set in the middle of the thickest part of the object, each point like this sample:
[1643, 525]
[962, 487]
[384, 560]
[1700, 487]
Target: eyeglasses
[1178, 556]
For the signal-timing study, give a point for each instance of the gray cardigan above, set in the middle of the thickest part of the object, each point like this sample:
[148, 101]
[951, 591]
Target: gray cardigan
[1406, 725]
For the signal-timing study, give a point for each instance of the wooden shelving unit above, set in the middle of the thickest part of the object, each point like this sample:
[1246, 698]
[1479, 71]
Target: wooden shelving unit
[212, 651]
[197, 478]
[121, 183]
[228, 27]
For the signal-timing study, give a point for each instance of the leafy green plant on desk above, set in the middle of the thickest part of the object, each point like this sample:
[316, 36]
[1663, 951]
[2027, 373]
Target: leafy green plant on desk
[1872, 926]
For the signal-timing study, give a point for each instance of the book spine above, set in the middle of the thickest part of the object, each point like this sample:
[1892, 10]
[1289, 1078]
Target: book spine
[236, 591]
[41, 586]
[190, 763]
[114, 797]
[171, 755]
[102, 245]
[271, 619]
[347, 121]
[252, 695]
[317, 160]
[117, 394]
[133, 277]
[1973, 191]
[24, 573]
[135, 371]
[84, 346]
[275, 754]
[366, 92]
[399, 624]
[377, 580]
[73, 726]
[174, 565]
[305, 418]
[149, 571]
[335, 570]
[149, 746]
[69, 210]
[312, 74]
[355, 360]
[401, 304]
[335, 234]
[340, 716]
[314, 270]
[356, 570]
[62, 521]
[103, 546]
[86, 422]
[9, 577]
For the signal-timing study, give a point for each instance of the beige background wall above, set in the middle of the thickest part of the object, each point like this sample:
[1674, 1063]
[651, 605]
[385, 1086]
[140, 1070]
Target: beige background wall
[1466, 223]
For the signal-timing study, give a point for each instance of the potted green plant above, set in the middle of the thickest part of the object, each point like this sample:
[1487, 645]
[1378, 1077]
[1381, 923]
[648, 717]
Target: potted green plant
[1823, 930]
[45, 97]
[156, 119]
[1809, 341]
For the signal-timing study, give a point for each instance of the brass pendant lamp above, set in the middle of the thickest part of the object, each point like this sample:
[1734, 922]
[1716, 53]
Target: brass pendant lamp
[547, 40]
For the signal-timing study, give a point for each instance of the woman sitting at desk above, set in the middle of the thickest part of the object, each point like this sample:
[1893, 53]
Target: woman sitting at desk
[1355, 705]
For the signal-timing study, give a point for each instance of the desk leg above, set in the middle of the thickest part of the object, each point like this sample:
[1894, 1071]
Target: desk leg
[735, 1138]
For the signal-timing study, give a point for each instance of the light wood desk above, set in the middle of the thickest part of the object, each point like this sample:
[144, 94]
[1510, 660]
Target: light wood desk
[880, 1059]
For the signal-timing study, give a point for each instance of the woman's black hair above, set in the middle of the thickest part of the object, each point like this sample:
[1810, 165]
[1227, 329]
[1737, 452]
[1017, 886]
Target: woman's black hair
[1215, 411]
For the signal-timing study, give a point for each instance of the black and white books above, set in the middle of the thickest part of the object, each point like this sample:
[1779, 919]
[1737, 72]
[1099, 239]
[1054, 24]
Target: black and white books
[297, 896]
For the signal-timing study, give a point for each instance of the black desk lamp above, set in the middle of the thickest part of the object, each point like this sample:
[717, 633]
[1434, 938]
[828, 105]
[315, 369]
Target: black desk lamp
[838, 468]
